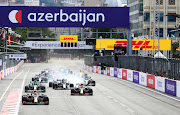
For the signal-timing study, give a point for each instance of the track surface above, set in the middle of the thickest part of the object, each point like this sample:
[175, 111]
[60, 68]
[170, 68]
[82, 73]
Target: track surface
[112, 96]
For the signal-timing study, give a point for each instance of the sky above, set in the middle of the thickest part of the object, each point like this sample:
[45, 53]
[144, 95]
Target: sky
[115, 2]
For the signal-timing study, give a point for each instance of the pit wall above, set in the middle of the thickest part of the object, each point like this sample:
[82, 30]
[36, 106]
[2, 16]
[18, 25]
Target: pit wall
[171, 87]
[8, 71]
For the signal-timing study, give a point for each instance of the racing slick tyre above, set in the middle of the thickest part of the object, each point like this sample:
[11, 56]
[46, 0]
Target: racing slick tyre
[72, 91]
[90, 92]
[24, 99]
[50, 84]
[46, 99]
[94, 83]
[26, 88]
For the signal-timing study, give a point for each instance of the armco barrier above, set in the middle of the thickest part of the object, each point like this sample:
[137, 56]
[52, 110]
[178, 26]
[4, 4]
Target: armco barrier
[168, 86]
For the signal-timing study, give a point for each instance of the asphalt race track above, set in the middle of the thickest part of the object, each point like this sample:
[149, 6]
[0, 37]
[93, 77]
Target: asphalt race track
[112, 96]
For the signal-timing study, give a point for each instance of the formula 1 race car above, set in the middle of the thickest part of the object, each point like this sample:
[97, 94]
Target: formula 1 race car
[61, 84]
[40, 78]
[31, 87]
[82, 90]
[35, 99]
[88, 81]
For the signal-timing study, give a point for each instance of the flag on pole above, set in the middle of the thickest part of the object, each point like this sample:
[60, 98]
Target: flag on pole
[4, 35]
[9, 39]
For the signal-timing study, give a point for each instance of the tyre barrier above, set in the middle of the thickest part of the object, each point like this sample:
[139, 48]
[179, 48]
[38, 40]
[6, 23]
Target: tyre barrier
[9, 71]
[163, 84]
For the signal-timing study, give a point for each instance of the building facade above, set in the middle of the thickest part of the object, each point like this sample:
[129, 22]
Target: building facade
[141, 17]
[31, 2]
[166, 23]
[136, 16]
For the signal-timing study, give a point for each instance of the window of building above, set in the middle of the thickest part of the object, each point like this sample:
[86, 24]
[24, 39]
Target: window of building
[157, 2]
[170, 32]
[171, 18]
[141, 7]
[161, 17]
[160, 32]
[146, 17]
[171, 2]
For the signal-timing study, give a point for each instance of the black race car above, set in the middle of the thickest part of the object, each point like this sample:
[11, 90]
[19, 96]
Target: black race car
[82, 90]
[31, 87]
[61, 84]
[35, 99]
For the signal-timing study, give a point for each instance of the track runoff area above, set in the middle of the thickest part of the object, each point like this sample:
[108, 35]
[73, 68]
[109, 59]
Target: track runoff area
[110, 95]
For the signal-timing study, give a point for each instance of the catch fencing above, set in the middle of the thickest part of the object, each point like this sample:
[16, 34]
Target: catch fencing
[156, 66]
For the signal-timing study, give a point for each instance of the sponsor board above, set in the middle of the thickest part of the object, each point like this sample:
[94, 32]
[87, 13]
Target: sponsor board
[112, 71]
[91, 69]
[170, 87]
[108, 44]
[18, 56]
[94, 69]
[124, 74]
[178, 88]
[160, 83]
[119, 73]
[143, 78]
[129, 75]
[151, 81]
[115, 72]
[69, 38]
[105, 71]
[55, 45]
[108, 71]
[97, 69]
[34, 16]
[136, 77]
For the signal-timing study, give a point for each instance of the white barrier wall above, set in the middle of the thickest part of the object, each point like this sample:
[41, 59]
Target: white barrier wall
[119, 73]
[178, 88]
[129, 75]
[112, 71]
[168, 86]
[143, 78]
[160, 84]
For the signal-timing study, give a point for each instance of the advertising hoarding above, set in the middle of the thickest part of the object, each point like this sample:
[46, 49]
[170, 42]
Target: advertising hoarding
[151, 81]
[170, 87]
[69, 38]
[143, 78]
[34, 16]
[108, 44]
[136, 77]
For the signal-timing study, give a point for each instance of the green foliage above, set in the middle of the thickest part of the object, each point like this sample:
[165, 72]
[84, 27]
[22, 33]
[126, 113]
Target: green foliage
[23, 32]
[174, 47]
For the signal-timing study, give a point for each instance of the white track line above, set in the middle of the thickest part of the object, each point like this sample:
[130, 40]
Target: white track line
[9, 86]
[20, 95]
